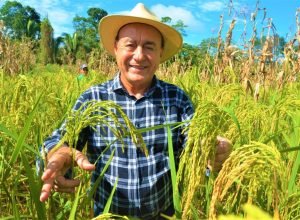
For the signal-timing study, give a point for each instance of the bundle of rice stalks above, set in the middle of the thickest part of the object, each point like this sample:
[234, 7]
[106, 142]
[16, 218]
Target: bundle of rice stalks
[106, 113]
[208, 122]
[253, 174]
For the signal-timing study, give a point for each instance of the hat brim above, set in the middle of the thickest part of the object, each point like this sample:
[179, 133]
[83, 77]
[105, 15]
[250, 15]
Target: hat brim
[110, 25]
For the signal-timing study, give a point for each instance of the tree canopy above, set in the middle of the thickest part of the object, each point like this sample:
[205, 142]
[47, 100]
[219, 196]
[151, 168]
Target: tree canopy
[87, 27]
[20, 20]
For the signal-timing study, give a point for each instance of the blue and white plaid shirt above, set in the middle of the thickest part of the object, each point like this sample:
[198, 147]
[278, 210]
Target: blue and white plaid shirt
[144, 185]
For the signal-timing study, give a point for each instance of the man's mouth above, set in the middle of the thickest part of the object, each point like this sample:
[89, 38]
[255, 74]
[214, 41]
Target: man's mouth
[137, 67]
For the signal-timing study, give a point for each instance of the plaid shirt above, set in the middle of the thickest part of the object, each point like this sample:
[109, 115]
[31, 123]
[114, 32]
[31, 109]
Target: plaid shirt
[144, 185]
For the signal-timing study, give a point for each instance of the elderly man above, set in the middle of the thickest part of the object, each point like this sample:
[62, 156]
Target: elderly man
[139, 42]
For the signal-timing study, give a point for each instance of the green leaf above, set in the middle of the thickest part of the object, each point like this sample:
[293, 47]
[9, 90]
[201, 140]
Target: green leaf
[176, 197]
[75, 204]
[21, 139]
[108, 203]
[34, 188]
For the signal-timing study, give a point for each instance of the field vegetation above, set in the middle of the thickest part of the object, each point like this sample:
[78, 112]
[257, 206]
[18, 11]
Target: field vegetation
[249, 94]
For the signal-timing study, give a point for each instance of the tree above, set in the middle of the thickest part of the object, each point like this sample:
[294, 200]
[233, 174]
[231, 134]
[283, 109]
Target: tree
[179, 25]
[47, 42]
[71, 46]
[87, 28]
[278, 44]
[20, 21]
[209, 45]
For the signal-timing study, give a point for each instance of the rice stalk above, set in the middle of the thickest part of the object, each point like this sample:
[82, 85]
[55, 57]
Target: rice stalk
[251, 212]
[109, 200]
[34, 187]
[75, 204]
[253, 173]
[109, 216]
[100, 113]
[290, 207]
[206, 125]
[176, 197]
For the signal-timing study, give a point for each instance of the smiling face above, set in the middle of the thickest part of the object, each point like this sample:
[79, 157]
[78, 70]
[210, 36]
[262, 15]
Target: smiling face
[138, 51]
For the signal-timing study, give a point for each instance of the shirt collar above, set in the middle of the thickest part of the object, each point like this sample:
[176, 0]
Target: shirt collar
[117, 85]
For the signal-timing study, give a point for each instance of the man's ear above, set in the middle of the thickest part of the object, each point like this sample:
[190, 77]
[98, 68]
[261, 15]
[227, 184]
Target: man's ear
[161, 52]
[115, 46]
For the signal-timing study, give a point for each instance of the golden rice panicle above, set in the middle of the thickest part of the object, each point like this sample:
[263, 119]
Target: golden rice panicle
[290, 208]
[97, 114]
[200, 147]
[254, 174]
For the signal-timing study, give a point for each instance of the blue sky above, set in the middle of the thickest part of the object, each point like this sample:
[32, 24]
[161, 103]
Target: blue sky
[201, 16]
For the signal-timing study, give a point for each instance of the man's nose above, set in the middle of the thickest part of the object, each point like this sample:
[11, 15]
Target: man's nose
[139, 53]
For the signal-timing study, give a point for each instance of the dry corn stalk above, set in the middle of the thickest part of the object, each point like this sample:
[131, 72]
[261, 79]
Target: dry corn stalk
[256, 91]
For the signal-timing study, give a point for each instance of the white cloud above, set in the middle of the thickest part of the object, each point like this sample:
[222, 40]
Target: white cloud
[61, 20]
[212, 6]
[57, 12]
[177, 13]
[173, 12]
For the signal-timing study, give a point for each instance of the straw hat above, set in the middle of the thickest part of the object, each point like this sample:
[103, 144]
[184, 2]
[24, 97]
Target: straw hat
[110, 25]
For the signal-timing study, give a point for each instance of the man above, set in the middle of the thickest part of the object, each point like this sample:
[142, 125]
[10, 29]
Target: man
[83, 71]
[139, 42]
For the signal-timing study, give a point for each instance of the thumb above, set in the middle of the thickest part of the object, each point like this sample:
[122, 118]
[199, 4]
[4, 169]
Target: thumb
[83, 162]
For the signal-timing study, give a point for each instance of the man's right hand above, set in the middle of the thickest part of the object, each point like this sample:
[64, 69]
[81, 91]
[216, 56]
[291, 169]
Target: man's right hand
[58, 164]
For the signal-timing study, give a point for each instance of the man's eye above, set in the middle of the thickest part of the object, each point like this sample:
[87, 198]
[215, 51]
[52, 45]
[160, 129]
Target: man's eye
[130, 45]
[149, 48]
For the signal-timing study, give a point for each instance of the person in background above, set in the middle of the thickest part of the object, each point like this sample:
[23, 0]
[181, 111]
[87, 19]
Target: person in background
[139, 42]
[83, 71]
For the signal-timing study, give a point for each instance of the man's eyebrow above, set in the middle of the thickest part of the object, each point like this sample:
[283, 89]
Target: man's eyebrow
[150, 43]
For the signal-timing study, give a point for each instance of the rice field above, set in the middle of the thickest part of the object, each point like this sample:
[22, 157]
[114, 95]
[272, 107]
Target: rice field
[246, 95]
[261, 173]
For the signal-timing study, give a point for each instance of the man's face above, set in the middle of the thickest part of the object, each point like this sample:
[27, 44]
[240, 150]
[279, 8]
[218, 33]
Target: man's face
[138, 52]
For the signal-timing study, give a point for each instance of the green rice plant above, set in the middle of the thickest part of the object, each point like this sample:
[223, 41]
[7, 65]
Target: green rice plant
[108, 216]
[253, 173]
[293, 140]
[99, 113]
[75, 204]
[99, 178]
[107, 205]
[34, 186]
[176, 197]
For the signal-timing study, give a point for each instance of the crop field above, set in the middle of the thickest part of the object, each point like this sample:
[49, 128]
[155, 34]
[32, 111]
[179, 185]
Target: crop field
[249, 95]
[262, 169]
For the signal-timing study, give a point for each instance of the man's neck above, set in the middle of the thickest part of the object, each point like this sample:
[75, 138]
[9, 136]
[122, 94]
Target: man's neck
[137, 91]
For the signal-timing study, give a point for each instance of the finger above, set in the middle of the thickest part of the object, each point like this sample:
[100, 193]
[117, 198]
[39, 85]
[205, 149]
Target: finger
[55, 164]
[217, 166]
[221, 157]
[64, 189]
[47, 174]
[223, 145]
[62, 182]
[46, 189]
[83, 162]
